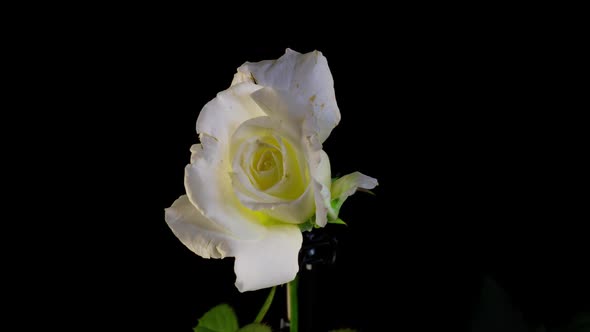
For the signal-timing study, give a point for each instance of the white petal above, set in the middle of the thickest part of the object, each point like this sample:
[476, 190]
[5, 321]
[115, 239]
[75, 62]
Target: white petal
[195, 231]
[321, 174]
[196, 150]
[283, 106]
[350, 183]
[209, 150]
[289, 211]
[296, 211]
[270, 261]
[208, 187]
[306, 77]
[207, 178]
[221, 116]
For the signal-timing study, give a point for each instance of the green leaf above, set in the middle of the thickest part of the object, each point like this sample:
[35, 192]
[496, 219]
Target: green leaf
[219, 319]
[337, 221]
[255, 327]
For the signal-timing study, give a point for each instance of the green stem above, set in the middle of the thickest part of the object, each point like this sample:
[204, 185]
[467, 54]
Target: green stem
[265, 306]
[293, 305]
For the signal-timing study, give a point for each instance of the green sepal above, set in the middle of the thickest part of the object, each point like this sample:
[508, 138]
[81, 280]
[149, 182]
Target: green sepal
[307, 225]
[337, 221]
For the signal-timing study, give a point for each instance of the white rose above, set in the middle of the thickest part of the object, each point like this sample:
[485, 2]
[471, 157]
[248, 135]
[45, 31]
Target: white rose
[260, 169]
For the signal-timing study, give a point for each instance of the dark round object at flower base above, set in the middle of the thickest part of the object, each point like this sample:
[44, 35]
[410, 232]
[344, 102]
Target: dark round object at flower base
[319, 247]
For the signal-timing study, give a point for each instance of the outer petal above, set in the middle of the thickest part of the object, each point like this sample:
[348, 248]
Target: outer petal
[320, 168]
[284, 107]
[306, 77]
[349, 184]
[207, 178]
[271, 260]
[208, 187]
[196, 232]
[221, 116]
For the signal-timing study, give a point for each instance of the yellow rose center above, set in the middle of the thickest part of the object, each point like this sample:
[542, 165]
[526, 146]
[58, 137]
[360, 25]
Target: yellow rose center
[271, 163]
[266, 166]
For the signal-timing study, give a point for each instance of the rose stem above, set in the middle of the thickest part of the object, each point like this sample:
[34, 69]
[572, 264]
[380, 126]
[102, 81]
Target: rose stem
[265, 306]
[292, 305]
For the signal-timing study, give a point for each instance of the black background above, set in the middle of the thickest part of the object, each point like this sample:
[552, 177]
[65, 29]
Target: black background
[463, 126]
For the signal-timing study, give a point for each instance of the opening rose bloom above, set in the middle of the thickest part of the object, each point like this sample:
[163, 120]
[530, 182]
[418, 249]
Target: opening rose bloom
[260, 171]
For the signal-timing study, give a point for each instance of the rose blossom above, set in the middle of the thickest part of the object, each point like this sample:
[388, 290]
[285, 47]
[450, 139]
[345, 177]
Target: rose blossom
[260, 171]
